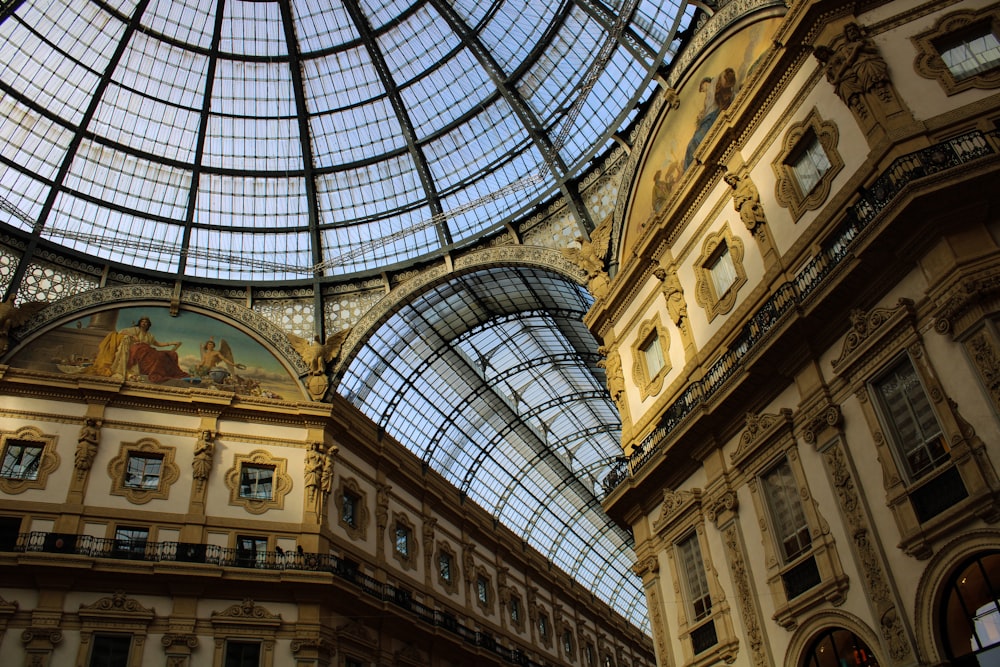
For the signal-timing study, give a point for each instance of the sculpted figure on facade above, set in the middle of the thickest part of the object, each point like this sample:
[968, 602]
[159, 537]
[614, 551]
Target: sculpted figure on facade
[326, 480]
[313, 468]
[746, 201]
[87, 442]
[590, 257]
[204, 451]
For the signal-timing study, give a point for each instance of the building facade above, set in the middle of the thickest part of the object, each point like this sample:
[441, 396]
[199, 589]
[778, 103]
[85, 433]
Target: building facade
[800, 335]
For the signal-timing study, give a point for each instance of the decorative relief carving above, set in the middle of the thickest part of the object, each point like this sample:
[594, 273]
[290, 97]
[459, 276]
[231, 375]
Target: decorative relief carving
[673, 502]
[870, 326]
[117, 603]
[727, 502]
[828, 418]
[745, 597]
[760, 430]
[247, 611]
[746, 201]
[877, 589]
[982, 348]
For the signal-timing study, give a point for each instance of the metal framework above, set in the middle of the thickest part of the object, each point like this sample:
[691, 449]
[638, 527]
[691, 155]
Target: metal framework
[288, 141]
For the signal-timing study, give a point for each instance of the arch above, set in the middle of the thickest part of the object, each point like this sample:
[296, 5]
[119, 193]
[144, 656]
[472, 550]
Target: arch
[513, 255]
[931, 587]
[808, 630]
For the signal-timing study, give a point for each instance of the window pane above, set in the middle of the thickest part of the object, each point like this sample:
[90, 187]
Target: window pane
[723, 272]
[785, 506]
[693, 576]
[255, 482]
[978, 52]
[912, 425]
[110, 651]
[444, 563]
[21, 460]
[403, 541]
[653, 354]
[350, 508]
[242, 654]
[810, 166]
[143, 471]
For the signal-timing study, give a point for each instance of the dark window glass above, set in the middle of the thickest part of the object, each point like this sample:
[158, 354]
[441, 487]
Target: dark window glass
[251, 551]
[837, 647]
[483, 590]
[444, 567]
[971, 612]
[110, 650]
[242, 654]
[349, 513]
[402, 540]
[131, 542]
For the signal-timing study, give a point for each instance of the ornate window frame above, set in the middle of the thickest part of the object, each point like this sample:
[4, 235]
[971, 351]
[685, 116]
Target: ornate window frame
[482, 577]
[49, 459]
[876, 341]
[929, 63]
[407, 561]
[449, 585]
[115, 614]
[543, 624]
[359, 531]
[514, 599]
[650, 386]
[798, 137]
[705, 293]
[567, 642]
[766, 441]
[245, 621]
[280, 485]
[681, 517]
[169, 471]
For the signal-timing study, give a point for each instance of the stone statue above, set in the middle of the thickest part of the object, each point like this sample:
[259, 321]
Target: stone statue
[590, 257]
[204, 451]
[326, 481]
[313, 471]
[855, 68]
[87, 442]
[746, 201]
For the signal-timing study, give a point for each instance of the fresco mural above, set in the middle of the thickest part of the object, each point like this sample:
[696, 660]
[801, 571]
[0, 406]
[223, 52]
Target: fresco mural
[146, 344]
[708, 92]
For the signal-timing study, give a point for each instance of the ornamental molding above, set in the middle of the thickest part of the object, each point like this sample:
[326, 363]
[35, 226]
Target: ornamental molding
[829, 417]
[246, 613]
[179, 639]
[677, 504]
[121, 296]
[869, 333]
[356, 634]
[761, 430]
[746, 596]
[117, 608]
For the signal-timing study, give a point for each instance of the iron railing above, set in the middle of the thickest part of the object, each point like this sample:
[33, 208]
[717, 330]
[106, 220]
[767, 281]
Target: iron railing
[905, 169]
[209, 554]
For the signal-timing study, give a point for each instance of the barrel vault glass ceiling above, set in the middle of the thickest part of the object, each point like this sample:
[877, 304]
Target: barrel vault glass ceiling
[311, 141]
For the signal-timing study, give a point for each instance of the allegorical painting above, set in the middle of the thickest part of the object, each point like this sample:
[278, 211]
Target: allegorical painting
[146, 344]
[708, 92]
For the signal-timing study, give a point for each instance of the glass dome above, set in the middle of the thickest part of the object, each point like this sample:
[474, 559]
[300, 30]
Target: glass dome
[293, 139]
[304, 142]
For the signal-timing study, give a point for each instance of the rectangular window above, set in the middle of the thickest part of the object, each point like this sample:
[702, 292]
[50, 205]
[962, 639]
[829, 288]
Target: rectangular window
[143, 471]
[21, 459]
[242, 654]
[444, 566]
[909, 419]
[483, 590]
[693, 577]
[402, 540]
[110, 650]
[543, 626]
[251, 551]
[567, 642]
[722, 271]
[810, 164]
[131, 542]
[351, 662]
[10, 531]
[973, 52]
[349, 509]
[515, 610]
[256, 482]
[652, 352]
[781, 493]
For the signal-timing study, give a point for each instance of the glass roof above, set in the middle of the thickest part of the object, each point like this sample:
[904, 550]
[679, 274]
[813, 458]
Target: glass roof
[278, 141]
[493, 381]
[274, 140]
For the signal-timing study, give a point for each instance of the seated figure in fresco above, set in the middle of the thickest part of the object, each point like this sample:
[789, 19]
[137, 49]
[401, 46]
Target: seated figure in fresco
[132, 352]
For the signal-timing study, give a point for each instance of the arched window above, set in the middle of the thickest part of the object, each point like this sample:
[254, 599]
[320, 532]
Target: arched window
[837, 647]
[971, 613]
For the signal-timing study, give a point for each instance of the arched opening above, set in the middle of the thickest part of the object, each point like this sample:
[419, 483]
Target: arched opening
[837, 647]
[970, 615]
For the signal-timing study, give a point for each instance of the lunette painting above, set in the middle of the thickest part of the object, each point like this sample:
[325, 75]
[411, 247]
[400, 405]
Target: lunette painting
[146, 344]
